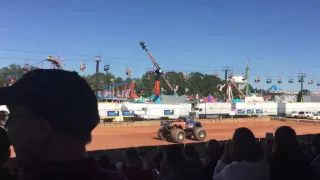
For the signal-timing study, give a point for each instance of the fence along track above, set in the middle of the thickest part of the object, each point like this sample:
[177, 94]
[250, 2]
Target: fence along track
[157, 122]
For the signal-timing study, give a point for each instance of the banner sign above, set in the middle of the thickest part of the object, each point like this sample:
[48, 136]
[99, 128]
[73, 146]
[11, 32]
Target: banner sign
[168, 112]
[241, 111]
[249, 111]
[259, 111]
[127, 113]
[113, 113]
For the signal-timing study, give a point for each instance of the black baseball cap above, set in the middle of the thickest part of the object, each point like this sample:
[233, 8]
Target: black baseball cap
[62, 97]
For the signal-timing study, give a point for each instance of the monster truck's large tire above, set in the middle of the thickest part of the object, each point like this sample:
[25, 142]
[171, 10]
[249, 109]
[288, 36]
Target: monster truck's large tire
[177, 135]
[199, 134]
[161, 134]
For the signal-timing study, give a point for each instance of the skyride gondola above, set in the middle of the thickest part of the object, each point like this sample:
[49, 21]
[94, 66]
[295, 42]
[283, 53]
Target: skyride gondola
[280, 81]
[269, 80]
[291, 80]
[257, 79]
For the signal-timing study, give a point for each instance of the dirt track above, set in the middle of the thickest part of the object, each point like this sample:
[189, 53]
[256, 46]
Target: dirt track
[112, 138]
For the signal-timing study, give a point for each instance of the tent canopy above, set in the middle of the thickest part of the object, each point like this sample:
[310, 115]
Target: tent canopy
[274, 88]
[209, 98]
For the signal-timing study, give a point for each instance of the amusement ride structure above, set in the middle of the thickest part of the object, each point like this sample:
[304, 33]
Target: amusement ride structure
[55, 63]
[158, 73]
[125, 89]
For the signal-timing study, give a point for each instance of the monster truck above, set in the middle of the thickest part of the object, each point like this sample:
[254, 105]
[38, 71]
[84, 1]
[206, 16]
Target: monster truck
[180, 129]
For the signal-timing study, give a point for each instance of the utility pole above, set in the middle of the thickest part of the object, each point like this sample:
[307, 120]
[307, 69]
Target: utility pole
[247, 79]
[97, 59]
[301, 77]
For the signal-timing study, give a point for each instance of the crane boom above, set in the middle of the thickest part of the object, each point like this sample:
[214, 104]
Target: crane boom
[159, 71]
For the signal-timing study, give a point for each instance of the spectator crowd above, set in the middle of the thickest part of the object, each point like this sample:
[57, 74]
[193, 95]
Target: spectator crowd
[49, 144]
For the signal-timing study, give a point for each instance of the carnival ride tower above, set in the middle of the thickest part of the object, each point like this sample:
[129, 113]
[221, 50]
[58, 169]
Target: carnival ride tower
[158, 73]
[229, 94]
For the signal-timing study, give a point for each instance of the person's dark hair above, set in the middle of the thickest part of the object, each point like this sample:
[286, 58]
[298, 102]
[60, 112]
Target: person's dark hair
[104, 159]
[156, 161]
[104, 163]
[44, 90]
[243, 146]
[214, 148]
[286, 141]
[4, 146]
[190, 152]
[174, 156]
[131, 153]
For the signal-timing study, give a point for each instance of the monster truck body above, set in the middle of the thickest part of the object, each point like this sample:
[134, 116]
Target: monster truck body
[180, 129]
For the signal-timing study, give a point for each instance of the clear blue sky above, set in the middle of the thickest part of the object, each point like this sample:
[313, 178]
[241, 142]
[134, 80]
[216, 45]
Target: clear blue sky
[279, 37]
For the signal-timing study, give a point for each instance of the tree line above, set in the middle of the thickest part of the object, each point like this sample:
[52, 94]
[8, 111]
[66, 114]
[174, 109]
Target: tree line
[195, 83]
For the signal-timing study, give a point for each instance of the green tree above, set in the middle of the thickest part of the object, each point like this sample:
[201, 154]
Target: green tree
[147, 84]
[118, 80]
[175, 79]
[195, 83]
[13, 70]
[104, 80]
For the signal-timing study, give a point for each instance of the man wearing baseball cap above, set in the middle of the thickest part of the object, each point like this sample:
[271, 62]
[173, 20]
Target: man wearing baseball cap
[52, 114]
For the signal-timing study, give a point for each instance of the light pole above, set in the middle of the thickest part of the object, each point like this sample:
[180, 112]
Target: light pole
[301, 77]
[112, 82]
[97, 59]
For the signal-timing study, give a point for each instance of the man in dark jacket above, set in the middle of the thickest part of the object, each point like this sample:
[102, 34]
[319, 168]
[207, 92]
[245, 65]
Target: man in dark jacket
[52, 114]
